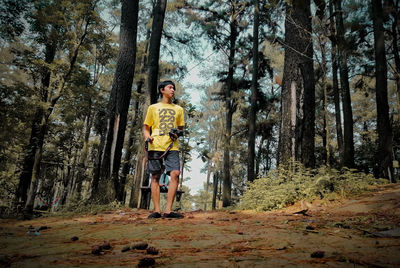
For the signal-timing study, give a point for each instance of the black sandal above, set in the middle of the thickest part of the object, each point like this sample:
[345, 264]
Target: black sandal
[154, 215]
[173, 215]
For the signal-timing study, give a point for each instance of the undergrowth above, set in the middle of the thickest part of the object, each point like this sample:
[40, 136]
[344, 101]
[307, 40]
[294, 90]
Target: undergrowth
[82, 207]
[290, 183]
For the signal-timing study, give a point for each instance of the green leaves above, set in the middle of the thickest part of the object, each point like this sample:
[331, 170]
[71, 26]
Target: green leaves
[11, 23]
[291, 183]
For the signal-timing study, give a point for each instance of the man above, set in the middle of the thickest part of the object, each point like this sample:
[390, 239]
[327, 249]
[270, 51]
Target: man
[160, 119]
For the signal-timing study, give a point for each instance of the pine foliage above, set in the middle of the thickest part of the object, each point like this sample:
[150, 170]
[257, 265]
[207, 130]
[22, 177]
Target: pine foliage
[288, 184]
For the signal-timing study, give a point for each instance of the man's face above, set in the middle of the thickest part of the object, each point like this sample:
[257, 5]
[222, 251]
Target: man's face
[169, 91]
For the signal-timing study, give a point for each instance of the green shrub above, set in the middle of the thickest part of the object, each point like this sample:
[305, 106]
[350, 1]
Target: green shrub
[290, 183]
[76, 207]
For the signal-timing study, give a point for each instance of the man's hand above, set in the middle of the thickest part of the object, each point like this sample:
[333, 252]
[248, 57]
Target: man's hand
[175, 133]
[146, 134]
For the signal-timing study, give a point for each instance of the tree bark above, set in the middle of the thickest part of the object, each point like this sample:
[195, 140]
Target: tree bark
[136, 123]
[395, 33]
[335, 85]
[327, 153]
[154, 50]
[35, 143]
[259, 155]
[307, 69]
[215, 189]
[324, 154]
[119, 103]
[97, 168]
[384, 128]
[227, 182]
[348, 144]
[152, 69]
[253, 98]
[129, 152]
[82, 173]
[37, 130]
[33, 164]
[208, 182]
[296, 140]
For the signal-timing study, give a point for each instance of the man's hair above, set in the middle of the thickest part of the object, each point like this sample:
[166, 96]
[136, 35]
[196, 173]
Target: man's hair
[163, 84]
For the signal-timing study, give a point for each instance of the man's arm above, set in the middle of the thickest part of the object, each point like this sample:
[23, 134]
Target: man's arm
[146, 133]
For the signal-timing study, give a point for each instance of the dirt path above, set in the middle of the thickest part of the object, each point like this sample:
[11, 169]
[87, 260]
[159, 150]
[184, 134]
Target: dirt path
[350, 233]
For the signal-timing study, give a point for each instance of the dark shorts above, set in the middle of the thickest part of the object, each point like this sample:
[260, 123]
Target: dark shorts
[170, 161]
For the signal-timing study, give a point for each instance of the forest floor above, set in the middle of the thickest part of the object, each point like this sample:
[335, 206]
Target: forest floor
[364, 231]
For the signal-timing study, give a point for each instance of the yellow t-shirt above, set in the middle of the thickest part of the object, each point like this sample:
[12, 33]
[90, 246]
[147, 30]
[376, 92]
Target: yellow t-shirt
[161, 117]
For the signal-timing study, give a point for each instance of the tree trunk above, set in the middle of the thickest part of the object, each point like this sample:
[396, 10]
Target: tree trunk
[140, 178]
[227, 183]
[31, 174]
[384, 128]
[215, 190]
[259, 155]
[183, 159]
[31, 195]
[82, 169]
[207, 183]
[72, 176]
[97, 168]
[348, 150]
[35, 142]
[296, 140]
[154, 50]
[119, 103]
[152, 80]
[253, 99]
[37, 131]
[396, 54]
[268, 161]
[136, 124]
[127, 162]
[307, 69]
[327, 153]
[129, 150]
[324, 153]
[335, 85]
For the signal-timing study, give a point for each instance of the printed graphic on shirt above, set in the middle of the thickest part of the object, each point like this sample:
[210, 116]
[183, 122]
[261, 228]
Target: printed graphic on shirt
[161, 118]
[167, 119]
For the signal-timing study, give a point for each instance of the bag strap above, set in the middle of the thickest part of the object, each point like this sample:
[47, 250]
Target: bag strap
[146, 149]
